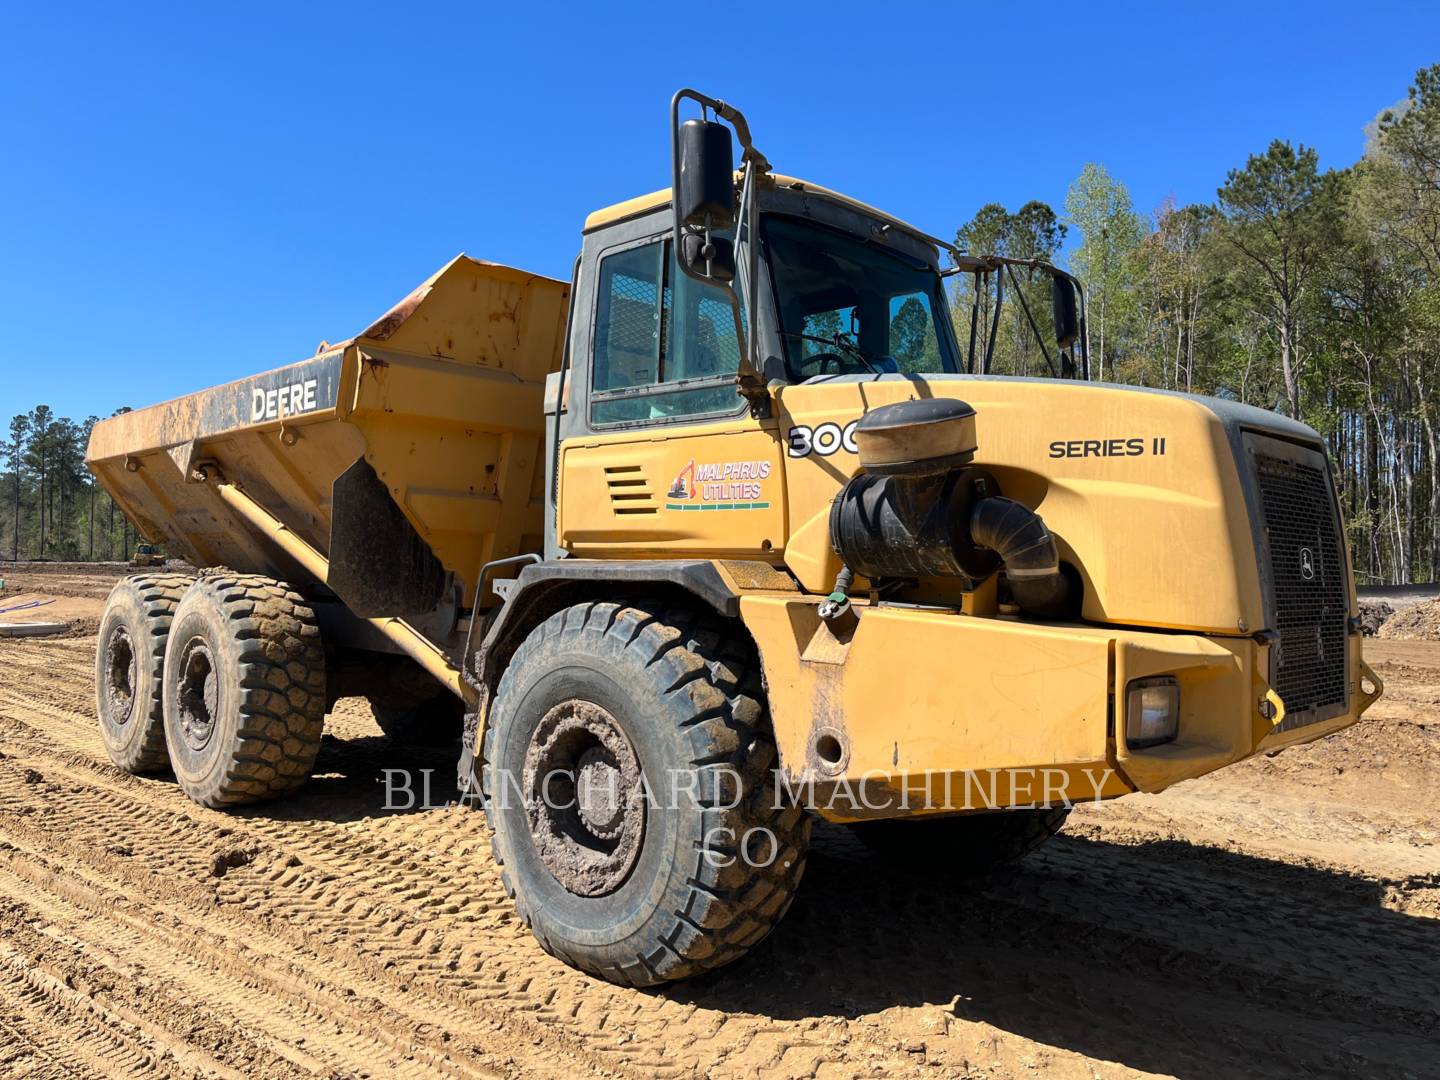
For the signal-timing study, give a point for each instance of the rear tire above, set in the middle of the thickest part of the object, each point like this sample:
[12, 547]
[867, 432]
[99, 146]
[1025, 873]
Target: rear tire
[969, 846]
[244, 690]
[639, 890]
[129, 665]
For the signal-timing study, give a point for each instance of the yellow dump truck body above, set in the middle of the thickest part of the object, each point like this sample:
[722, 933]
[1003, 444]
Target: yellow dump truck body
[441, 396]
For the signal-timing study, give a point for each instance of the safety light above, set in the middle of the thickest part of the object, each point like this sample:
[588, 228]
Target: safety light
[1152, 712]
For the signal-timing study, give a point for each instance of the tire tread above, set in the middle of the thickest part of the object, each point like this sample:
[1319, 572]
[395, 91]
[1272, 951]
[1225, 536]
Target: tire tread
[280, 689]
[717, 707]
[157, 595]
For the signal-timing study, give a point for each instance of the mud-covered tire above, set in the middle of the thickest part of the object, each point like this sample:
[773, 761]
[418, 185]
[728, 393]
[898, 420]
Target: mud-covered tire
[244, 690]
[966, 847]
[684, 689]
[434, 722]
[129, 669]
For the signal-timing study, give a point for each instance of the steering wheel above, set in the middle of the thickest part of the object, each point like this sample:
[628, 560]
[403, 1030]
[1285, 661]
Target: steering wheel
[820, 364]
[844, 363]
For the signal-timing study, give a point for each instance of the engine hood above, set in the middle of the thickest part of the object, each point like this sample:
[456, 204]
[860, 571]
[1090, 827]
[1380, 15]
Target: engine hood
[1144, 490]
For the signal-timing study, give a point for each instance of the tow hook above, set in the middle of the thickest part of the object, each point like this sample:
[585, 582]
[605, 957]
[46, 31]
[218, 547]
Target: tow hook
[836, 606]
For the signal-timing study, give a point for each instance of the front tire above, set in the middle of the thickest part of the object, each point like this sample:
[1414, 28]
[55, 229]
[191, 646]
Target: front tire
[129, 667]
[639, 882]
[244, 690]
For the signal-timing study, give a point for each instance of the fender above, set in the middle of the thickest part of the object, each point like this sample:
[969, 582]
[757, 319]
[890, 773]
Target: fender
[543, 588]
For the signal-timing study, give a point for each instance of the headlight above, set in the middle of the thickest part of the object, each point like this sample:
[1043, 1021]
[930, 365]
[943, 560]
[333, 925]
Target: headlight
[1152, 712]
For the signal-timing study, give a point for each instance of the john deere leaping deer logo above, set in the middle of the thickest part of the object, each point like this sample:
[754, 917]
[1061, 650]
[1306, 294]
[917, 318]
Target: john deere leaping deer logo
[1307, 564]
[729, 485]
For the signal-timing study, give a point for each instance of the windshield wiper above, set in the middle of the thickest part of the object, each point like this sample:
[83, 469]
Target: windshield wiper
[840, 342]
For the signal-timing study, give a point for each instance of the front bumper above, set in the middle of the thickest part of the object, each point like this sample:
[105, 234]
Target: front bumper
[916, 711]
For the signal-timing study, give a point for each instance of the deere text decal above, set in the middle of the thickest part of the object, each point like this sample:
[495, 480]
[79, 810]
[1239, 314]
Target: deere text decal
[281, 401]
[306, 387]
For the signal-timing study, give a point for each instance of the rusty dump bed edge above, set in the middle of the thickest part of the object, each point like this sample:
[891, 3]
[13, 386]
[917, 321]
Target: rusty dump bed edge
[437, 403]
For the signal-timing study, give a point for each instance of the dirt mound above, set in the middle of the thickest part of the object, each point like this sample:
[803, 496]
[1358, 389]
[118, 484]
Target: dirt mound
[1373, 614]
[94, 580]
[1418, 622]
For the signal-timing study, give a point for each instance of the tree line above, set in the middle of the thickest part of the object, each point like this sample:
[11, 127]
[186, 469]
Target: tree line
[50, 505]
[1310, 292]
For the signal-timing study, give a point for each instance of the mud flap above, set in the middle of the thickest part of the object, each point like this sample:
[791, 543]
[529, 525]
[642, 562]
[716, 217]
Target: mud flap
[379, 565]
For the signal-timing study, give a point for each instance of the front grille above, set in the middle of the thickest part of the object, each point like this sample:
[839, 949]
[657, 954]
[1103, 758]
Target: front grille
[1308, 582]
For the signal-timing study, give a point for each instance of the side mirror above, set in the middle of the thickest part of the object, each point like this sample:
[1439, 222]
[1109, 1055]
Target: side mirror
[1065, 311]
[712, 258]
[704, 194]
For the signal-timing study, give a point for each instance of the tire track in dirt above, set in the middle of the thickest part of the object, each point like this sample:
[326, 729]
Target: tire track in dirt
[378, 936]
[65, 1002]
[420, 870]
[133, 851]
[371, 892]
[303, 1028]
[50, 1028]
[378, 914]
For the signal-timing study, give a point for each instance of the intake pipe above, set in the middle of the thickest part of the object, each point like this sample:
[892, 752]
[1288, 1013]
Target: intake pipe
[920, 509]
[1032, 565]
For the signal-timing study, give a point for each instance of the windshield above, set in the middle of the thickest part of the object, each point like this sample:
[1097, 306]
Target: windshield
[885, 307]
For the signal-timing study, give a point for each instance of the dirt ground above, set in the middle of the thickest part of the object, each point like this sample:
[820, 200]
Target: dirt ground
[72, 593]
[1281, 917]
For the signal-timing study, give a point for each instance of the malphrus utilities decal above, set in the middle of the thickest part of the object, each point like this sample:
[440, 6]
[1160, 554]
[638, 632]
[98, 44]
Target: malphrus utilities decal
[724, 485]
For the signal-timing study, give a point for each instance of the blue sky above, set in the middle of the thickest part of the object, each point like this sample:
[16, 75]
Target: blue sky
[196, 193]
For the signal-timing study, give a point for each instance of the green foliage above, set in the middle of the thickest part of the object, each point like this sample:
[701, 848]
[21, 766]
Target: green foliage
[1307, 291]
[1110, 233]
[50, 505]
[1282, 218]
[1032, 232]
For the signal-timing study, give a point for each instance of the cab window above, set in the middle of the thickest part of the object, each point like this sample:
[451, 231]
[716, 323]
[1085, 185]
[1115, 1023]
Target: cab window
[914, 345]
[665, 344]
[885, 306]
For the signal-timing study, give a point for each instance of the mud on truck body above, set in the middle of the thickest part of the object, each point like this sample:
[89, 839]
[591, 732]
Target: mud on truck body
[730, 532]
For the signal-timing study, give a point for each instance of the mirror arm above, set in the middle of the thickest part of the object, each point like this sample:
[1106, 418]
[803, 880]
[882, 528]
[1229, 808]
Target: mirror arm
[736, 119]
[984, 264]
[995, 322]
[748, 380]
[974, 316]
[1025, 307]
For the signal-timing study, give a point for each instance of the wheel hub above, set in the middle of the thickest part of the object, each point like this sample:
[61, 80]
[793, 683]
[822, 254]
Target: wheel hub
[584, 798]
[199, 695]
[597, 792]
[121, 671]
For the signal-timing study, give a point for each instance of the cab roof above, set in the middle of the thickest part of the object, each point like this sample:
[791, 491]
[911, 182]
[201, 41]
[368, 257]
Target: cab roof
[655, 200]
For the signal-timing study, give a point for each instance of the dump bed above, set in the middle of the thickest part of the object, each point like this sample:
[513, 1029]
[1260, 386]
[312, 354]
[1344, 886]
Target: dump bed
[427, 424]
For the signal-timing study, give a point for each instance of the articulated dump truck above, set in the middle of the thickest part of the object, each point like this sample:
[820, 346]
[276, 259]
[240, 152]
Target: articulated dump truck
[734, 530]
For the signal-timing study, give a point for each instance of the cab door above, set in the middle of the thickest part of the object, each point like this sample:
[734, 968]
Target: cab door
[661, 455]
